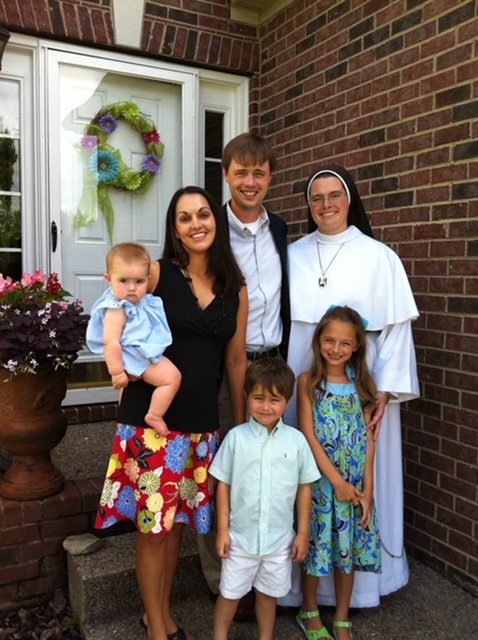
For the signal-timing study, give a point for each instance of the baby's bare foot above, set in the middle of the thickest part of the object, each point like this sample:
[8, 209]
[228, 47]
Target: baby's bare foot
[157, 423]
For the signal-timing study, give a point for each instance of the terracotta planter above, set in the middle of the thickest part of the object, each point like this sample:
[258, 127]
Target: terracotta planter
[32, 423]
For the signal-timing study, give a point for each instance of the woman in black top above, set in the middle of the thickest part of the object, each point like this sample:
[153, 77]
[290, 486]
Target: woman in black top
[162, 483]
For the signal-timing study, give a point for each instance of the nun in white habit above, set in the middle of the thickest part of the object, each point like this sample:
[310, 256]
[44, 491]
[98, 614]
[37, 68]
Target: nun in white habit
[341, 264]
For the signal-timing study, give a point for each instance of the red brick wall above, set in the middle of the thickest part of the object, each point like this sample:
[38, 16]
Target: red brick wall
[190, 32]
[32, 560]
[390, 90]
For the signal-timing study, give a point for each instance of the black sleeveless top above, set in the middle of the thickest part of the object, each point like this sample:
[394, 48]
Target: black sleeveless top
[199, 340]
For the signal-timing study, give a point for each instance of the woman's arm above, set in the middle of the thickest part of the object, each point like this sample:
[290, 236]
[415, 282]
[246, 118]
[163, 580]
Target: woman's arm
[236, 361]
[344, 491]
[115, 320]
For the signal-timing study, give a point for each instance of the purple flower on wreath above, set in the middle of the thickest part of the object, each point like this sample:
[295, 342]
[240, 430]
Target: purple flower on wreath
[151, 164]
[89, 143]
[104, 166]
[108, 123]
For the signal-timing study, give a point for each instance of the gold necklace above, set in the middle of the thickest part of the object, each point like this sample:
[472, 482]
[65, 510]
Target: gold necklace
[322, 279]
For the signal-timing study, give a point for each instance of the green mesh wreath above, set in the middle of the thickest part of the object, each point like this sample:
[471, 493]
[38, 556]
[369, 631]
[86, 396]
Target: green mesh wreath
[105, 166]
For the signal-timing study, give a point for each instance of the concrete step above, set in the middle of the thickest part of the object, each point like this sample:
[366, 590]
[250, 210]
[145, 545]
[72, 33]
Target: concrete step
[104, 592]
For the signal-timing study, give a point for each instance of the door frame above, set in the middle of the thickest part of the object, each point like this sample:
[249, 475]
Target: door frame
[225, 92]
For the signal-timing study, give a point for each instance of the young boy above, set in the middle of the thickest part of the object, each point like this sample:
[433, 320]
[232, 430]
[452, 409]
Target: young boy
[263, 468]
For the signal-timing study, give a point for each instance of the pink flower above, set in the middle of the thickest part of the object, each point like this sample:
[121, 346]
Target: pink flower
[89, 143]
[26, 280]
[38, 276]
[29, 280]
[5, 282]
[152, 136]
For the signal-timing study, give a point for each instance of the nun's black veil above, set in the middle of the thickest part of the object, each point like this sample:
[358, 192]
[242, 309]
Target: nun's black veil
[357, 214]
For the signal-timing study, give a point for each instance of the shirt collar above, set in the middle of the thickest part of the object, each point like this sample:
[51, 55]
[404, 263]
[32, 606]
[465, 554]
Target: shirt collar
[239, 226]
[258, 429]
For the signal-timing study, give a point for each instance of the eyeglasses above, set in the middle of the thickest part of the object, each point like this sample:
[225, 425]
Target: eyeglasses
[319, 201]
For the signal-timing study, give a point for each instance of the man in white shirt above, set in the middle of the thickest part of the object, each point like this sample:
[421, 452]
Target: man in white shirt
[259, 243]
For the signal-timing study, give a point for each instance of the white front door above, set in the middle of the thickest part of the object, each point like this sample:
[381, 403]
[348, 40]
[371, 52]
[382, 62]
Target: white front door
[82, 234]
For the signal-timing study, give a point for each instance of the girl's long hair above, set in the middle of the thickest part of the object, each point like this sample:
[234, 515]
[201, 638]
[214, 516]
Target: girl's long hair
[364, 383]
[222, 264]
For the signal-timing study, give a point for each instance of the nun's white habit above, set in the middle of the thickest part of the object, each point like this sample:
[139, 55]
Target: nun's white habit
[368, 276]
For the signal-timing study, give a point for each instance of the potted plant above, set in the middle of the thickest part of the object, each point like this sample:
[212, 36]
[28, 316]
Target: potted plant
[41, 333]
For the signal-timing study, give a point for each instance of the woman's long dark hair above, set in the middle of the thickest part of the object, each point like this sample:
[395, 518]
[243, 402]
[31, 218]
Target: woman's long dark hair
[222, 264]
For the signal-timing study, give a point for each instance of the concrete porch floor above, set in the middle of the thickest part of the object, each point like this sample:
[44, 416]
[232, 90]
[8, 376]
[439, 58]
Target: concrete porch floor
[429, 608]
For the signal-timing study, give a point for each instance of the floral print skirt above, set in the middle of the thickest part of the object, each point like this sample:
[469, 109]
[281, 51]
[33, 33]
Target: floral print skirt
[157, 481]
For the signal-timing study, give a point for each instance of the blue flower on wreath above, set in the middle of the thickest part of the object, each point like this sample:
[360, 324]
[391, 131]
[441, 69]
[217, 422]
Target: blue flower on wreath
[108, 123]
[151, 164]
[177, 454]
[104, 166]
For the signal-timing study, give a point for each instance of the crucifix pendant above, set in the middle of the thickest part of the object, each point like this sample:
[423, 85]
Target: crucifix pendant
[322, 281]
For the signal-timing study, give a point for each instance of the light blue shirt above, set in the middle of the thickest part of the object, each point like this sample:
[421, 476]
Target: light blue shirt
[264, 472]
[258, 259]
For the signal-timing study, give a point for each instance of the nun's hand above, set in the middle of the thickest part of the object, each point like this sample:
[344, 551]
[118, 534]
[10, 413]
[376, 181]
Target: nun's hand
[376, 422]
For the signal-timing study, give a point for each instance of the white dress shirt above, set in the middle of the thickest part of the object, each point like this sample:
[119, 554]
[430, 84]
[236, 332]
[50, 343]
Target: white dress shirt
[258, 259]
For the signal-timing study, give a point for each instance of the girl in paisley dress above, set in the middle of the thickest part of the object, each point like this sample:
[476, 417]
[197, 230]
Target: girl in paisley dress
[335, 401]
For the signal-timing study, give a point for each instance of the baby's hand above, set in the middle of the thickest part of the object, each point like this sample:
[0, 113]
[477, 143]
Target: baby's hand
[120, 380]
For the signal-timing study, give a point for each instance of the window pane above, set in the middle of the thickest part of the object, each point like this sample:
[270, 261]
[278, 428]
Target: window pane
[214, 125]
[11, 264]
[9, 107]
[9, 164]
[214, 134]
[10, 201]
[10, 222]
[213, 180]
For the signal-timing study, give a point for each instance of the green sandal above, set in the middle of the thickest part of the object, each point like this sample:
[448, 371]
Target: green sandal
[312, 634]
[342, 625]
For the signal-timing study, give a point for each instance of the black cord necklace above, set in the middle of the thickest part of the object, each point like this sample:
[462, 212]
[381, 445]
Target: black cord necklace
[189, 280]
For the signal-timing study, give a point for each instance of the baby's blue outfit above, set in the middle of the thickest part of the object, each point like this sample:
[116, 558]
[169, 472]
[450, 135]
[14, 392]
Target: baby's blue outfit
[146, 333]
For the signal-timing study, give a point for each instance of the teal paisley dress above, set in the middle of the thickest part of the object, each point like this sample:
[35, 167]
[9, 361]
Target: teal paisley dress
[336, 537]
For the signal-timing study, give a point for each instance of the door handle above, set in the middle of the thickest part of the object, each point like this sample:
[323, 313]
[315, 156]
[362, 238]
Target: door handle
[54, 236]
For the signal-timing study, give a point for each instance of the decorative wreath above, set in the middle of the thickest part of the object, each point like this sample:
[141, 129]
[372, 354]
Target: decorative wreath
[105, 166]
